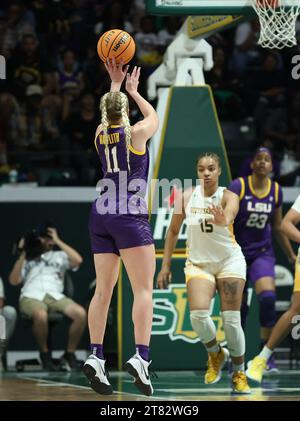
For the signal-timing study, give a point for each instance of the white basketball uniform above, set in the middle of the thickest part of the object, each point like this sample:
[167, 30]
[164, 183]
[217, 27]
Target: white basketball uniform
[212, 250]
[296, 207]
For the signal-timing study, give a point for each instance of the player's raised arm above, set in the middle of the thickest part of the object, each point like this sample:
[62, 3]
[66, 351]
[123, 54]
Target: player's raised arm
[145, 129]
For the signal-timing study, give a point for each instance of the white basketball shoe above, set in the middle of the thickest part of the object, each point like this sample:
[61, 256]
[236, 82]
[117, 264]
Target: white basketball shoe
[138, 368]
[94, 370]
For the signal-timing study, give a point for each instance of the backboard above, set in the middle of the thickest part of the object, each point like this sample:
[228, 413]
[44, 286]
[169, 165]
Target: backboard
[203, 7]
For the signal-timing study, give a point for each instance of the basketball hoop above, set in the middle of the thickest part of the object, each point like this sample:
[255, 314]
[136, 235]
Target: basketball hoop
[278, 22]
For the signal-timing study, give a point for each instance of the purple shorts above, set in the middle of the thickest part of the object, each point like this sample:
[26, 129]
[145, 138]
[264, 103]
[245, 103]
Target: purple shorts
[261, 266]
[110, 233]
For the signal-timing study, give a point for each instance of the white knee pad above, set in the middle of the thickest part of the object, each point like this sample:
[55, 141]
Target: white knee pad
[233, 332]
[203, 325]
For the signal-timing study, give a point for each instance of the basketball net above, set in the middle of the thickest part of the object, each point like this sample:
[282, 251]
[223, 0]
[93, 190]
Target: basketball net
[277, 21]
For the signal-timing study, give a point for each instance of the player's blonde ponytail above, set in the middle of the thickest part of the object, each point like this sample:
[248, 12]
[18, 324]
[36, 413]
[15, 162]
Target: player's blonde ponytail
[104, 121]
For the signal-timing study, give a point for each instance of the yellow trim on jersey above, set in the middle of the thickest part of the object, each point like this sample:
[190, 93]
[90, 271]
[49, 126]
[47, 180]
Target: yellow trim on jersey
[115, 126]
[231, 232]
[297, 275]
[263, 195]
[230, 275]
[136, 152]
[95, 142]
[242, 192]
[276, 192]
[200, 277]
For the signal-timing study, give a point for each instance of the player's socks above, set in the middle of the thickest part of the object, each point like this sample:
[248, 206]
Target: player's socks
[238, 367]
[266, 353]
[213, 348]
[143, 351]
[97, 349]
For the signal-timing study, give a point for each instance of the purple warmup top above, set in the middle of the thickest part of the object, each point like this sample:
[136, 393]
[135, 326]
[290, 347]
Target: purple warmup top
[252, 225]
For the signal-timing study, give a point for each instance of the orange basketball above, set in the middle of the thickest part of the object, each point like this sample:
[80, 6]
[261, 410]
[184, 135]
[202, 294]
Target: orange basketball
[118, 44]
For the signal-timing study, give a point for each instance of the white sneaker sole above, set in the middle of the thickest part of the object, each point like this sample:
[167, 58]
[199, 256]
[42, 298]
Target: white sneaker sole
[95, 383]
[145, 389]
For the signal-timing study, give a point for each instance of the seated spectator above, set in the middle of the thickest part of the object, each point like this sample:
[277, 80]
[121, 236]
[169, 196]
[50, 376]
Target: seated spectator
[246, 52]
[69, 82]
[95, 78]
[282, 125]
[147, 45]
[10, 317]
[31, 120]
[224, 84]
[69, 75]
[269, 83]
[80, 128]
[18, 23]
[29, 66]
[41, 270]
[9, 121]
[114, 16]
[167, 35]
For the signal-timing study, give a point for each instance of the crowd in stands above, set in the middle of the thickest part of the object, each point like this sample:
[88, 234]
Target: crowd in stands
[49, 101]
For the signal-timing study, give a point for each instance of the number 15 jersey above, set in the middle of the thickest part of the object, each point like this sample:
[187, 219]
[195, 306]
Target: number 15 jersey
[253, 223]
[207, 242]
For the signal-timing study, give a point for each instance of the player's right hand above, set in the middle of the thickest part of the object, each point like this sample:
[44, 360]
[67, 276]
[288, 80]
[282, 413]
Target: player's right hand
[164, 278]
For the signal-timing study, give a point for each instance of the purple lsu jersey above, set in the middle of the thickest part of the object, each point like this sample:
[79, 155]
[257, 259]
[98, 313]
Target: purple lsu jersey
[252, 225]
[128, 180]
[119, 217]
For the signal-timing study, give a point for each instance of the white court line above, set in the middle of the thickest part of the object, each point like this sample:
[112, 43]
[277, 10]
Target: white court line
[51, 383]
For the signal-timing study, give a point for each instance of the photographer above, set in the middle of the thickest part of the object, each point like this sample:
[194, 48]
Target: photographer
[42, 271]
[10, 317]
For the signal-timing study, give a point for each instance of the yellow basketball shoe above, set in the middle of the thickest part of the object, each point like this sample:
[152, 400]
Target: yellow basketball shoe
[215, 363]
[256, 369]
[240, 383]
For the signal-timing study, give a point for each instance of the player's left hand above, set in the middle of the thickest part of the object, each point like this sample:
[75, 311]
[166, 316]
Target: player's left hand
[219, 216]
[115, 70]
[53, 234]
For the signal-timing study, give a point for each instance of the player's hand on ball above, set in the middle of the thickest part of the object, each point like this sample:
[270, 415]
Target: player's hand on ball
[116, 72]
[132, 80]
[164, 278]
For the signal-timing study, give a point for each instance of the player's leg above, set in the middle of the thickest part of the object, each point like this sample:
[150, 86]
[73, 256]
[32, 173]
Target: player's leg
[231, 284]
[201, 289]
[139, 263]
[107, 271]
[262, 272]
[279, 332]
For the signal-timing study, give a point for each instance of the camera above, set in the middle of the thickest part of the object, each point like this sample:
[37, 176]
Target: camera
[33, 246]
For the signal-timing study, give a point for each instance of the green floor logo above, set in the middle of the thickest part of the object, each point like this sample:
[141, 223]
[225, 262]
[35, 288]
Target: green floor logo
[172, 316]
